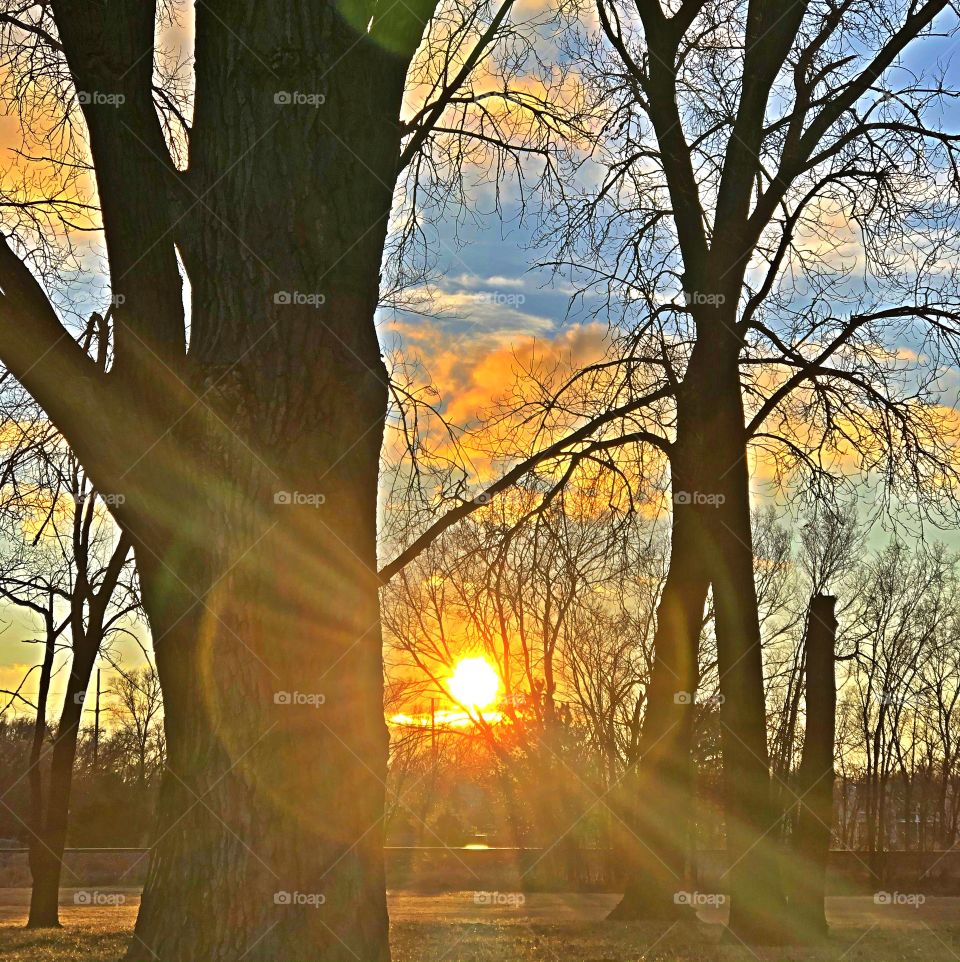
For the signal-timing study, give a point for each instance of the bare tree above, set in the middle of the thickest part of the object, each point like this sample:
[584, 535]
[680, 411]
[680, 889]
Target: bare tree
[743, 147]
[219, 433]
[137, 709]
[71, 569]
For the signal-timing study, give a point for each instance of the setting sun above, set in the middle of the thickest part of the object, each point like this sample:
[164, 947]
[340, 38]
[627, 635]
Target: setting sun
[474, 683]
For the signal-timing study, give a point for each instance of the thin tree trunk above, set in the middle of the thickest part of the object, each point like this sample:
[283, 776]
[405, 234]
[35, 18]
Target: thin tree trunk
[44, 910]
[811, 841]
[47, 868]
[88, 607]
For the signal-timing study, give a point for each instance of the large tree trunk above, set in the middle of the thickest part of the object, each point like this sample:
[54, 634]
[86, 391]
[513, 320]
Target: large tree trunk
[811, 840]
[757, 902]
[269, 843]
[655, 824]
[262, 588]
[261, 599]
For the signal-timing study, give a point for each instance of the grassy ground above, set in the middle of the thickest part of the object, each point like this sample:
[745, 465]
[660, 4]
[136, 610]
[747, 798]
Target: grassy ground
[548, 928]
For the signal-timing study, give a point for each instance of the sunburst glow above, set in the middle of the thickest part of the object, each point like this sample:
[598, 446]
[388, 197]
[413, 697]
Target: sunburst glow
[474, 683]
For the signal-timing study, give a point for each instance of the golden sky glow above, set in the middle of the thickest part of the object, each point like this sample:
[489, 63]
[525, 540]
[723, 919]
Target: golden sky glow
[474, 683]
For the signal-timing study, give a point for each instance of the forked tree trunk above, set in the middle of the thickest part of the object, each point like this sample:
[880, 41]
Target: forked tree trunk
[88, 610]
[262, 590]
[811, 841]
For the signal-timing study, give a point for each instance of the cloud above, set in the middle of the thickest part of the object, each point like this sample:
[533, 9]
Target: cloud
[473, 370]
[474, 281]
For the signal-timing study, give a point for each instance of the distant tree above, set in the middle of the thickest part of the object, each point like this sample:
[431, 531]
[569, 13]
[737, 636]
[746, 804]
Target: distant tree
[137, 711]
[68, 567]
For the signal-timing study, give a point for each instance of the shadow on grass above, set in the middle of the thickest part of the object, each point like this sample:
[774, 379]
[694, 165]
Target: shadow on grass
[504, 940]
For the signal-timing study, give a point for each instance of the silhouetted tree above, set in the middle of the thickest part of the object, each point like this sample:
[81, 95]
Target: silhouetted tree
[239, 443]
[745, 144]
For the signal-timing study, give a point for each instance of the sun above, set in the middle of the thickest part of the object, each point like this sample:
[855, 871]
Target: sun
[474, 683]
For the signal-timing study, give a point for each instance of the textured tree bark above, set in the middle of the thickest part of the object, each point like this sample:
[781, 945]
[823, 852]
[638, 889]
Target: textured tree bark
[655, 821]
[753, 876]
[269, 843]
[654, 826]
[261, 583]
[811, 840]
[246, 451]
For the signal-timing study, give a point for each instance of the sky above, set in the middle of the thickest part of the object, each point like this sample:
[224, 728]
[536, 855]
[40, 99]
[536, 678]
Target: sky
[491, 301]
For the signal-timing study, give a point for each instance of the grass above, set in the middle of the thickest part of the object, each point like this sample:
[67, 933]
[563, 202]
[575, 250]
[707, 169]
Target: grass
[434, 930]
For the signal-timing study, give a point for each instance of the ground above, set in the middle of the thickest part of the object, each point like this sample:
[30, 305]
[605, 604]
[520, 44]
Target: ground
[496, 927]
